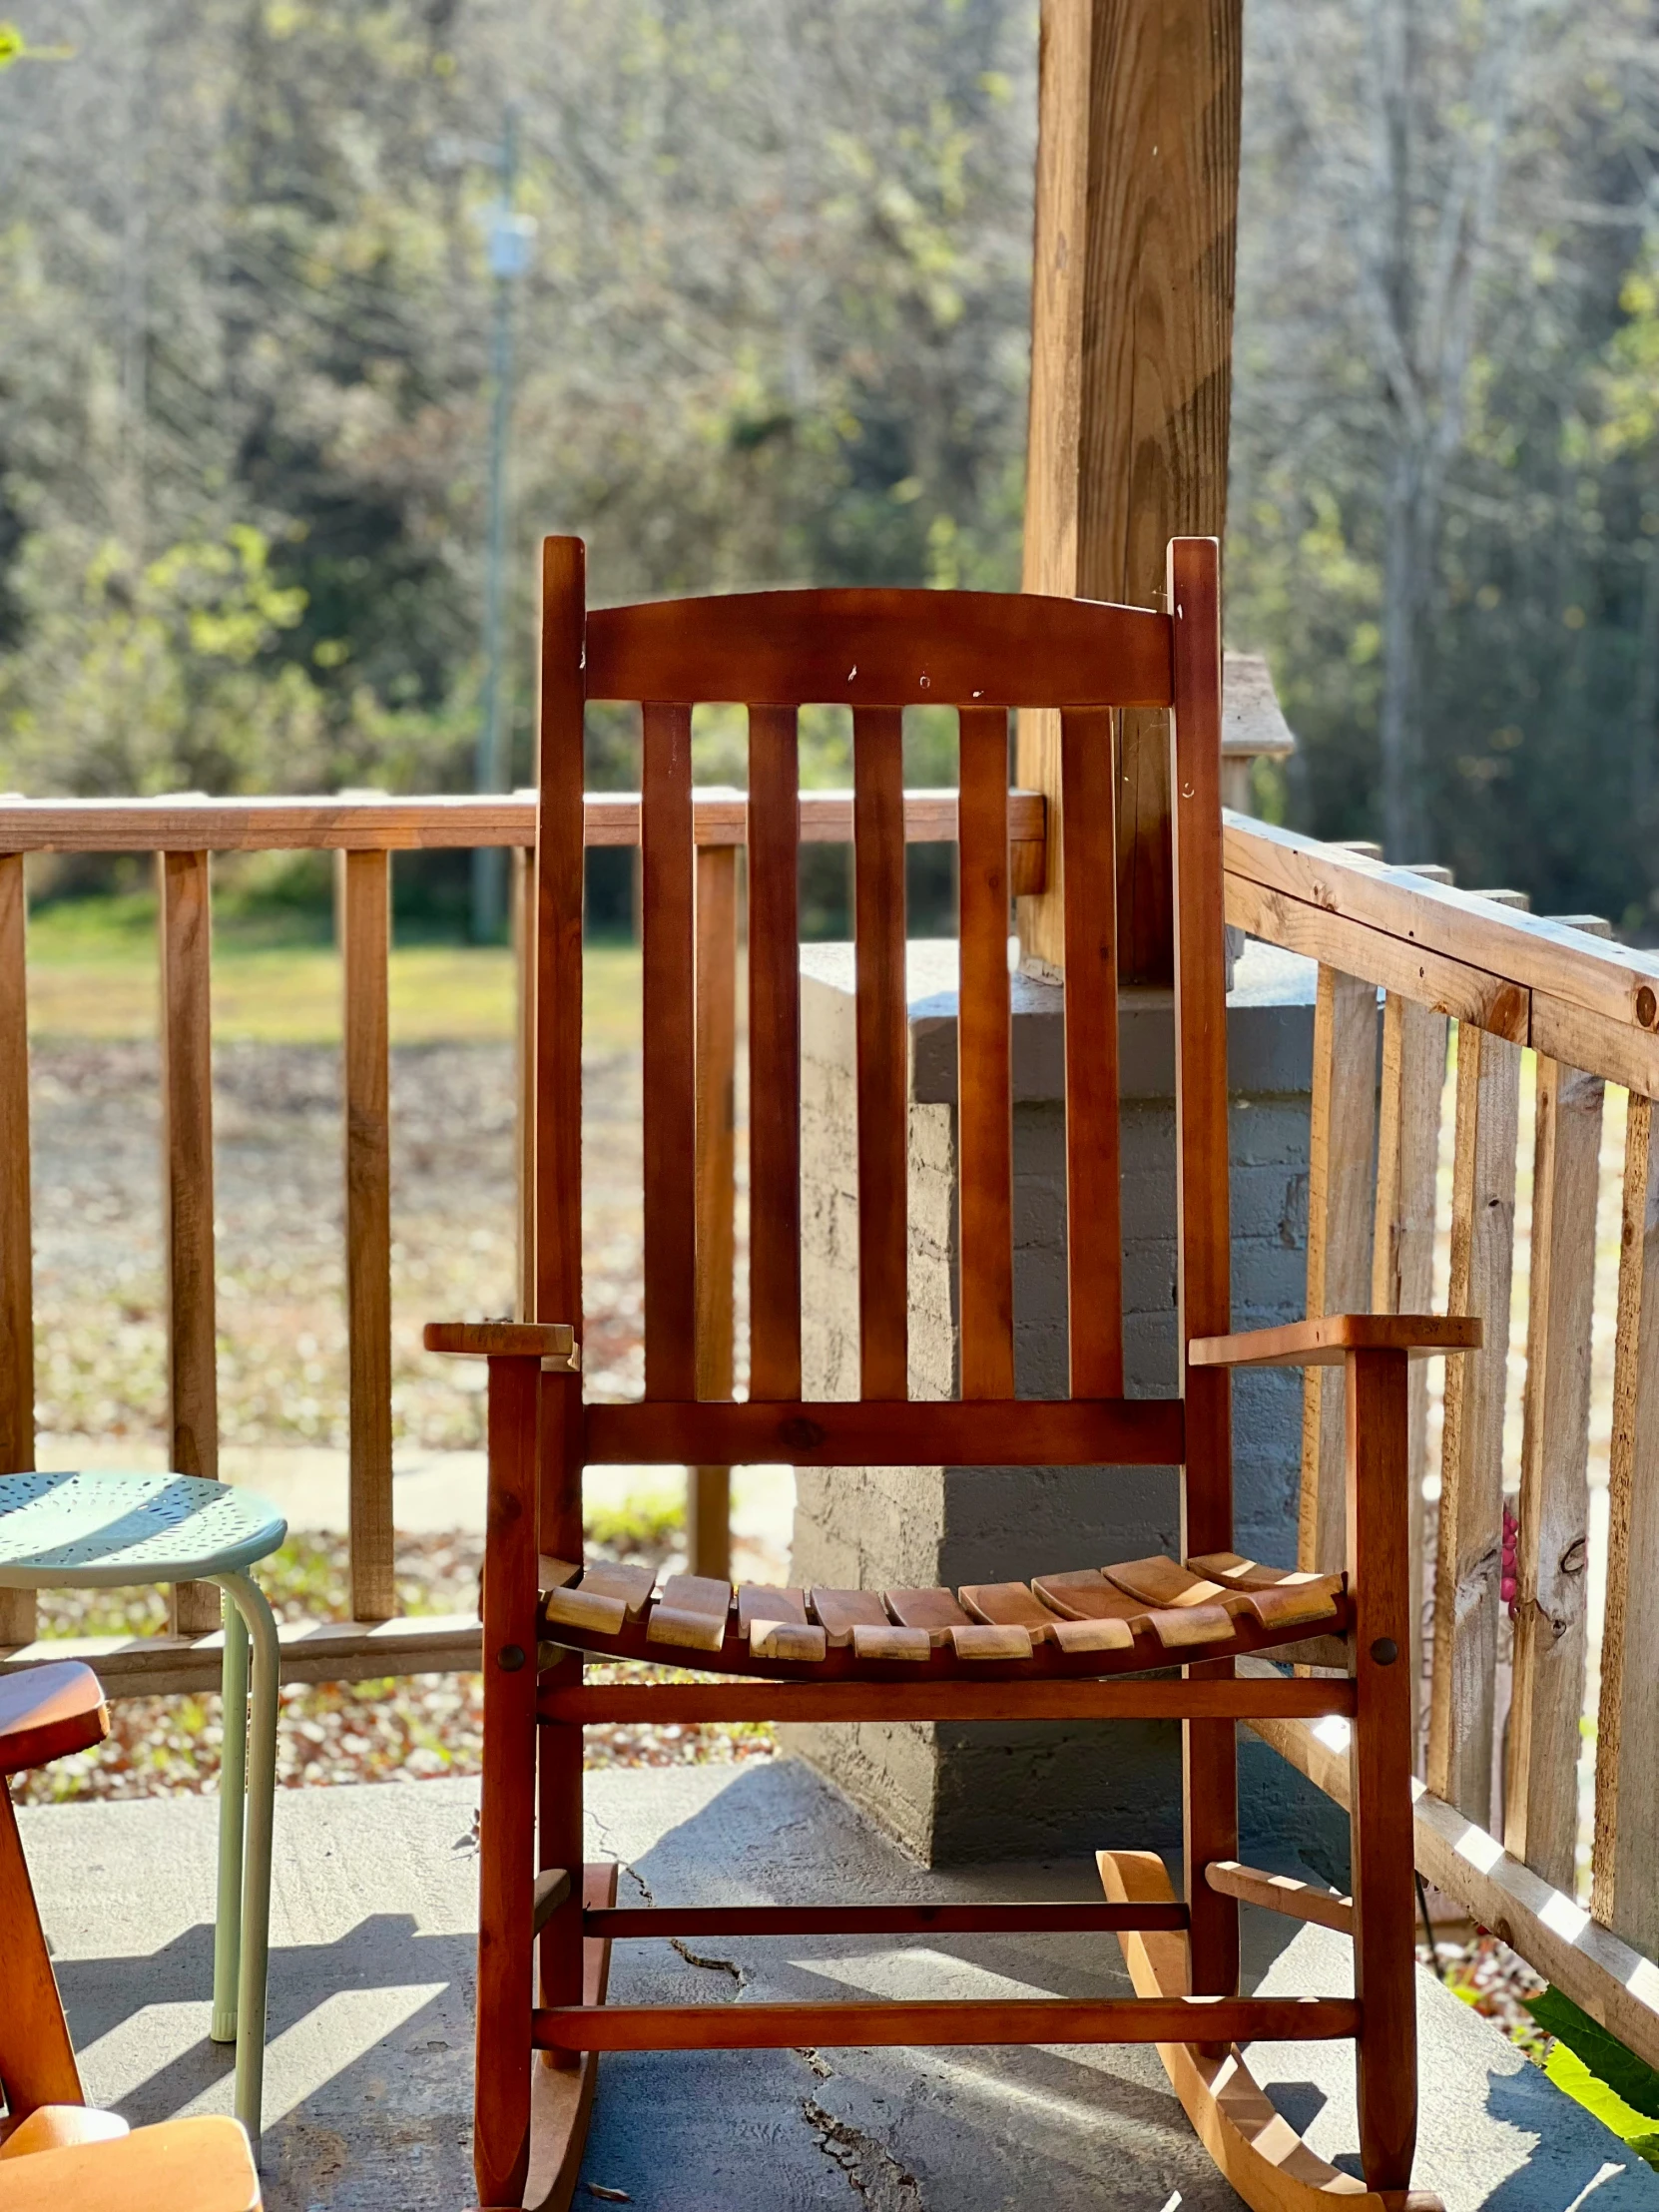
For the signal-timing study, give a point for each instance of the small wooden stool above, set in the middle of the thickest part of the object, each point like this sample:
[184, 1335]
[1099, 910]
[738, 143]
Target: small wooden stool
[56, 2153]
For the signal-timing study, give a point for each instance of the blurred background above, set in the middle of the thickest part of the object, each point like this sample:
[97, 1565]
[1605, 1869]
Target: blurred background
[758, 273]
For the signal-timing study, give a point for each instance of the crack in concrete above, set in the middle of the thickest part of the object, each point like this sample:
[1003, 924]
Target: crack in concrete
[870, 2168]
[739, 1975]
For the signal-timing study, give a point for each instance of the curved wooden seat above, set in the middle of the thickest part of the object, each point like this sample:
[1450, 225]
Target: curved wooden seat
[46, 1711]
[196, 2166]
[1120, 1619]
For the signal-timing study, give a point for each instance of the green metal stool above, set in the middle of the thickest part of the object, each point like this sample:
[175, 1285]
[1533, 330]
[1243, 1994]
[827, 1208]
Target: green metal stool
[104, 1531]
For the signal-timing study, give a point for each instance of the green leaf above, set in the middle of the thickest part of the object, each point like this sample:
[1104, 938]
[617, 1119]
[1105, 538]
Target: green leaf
[1630, 2080]
[1570, 2075]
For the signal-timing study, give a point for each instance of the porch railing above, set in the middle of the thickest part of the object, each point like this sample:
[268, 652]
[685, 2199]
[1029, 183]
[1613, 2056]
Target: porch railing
[1498, 1812]
[365, 830]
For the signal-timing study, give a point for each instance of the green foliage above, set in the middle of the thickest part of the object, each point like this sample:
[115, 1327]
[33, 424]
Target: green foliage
[160, 677]
[1593, 2061]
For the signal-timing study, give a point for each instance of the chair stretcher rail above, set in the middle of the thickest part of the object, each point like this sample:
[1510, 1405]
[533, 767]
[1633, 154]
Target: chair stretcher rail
[944, 2023]
[691, 1703]
[980, 1432]
[620, 1922]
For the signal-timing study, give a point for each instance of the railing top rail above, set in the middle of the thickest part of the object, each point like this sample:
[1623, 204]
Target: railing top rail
[1587, 1000]
[372, 823]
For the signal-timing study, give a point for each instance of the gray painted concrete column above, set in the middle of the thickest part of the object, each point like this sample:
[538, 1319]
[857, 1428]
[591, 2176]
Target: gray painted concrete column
[959, 1792]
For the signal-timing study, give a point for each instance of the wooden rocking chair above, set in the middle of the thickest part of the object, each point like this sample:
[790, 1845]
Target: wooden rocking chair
[1082, 1641]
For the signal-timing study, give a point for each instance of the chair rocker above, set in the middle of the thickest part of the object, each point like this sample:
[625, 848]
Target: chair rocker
[1082, 1641]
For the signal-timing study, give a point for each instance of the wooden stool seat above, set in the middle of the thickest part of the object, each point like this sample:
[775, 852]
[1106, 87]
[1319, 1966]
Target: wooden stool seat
[1166, 1609]
[196, 2166]
[49, 1710]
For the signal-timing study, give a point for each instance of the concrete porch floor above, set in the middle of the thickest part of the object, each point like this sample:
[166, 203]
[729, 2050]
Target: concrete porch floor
[368, 2082]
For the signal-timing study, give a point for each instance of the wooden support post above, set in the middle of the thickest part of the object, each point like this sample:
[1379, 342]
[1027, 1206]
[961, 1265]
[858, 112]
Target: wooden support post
[709, 1490]
[1341, 1144]
[17, 1306]
[188, 1195]
[365, 934]
[1131, 352]
[1402, 1243]
[1624, 1895]
[1467, 1596]
[1542, 1815]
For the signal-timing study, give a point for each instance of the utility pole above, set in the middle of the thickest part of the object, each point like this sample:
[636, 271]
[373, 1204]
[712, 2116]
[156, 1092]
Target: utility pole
[511, 239]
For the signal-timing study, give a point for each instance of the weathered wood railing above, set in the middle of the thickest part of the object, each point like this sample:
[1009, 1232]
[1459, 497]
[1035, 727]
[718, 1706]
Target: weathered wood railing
[1496, 1826]
[365, 830]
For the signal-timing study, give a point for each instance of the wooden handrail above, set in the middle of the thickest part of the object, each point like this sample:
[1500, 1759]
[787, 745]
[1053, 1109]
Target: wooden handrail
[1590, 1009]
[369, 822]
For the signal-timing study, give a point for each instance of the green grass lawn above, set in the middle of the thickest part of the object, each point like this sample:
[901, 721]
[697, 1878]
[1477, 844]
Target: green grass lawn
[94, 964]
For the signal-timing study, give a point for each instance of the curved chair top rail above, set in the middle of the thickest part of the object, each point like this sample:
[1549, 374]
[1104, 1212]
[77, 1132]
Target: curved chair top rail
[881, 648]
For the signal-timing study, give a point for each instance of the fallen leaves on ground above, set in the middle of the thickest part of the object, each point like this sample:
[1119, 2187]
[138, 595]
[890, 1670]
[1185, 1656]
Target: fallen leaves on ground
[404, 1729]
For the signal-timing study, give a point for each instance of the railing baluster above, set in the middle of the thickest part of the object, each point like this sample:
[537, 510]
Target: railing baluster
[1467, 1595]
[1624, 1895]
[17, 1306]
[709, 1491]
[1342, 1137]
[1403, 1241]
[1542, 1815]
[188, 1193]
[365, 932]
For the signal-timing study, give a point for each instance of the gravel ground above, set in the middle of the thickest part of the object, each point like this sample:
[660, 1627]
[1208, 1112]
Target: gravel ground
[101, 1342]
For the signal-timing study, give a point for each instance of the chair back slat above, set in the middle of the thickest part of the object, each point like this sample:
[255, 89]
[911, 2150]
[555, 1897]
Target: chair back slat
[670, 1029]
[882, 1046]
[1095, 1242]
[985, 1071]
[774, 1054]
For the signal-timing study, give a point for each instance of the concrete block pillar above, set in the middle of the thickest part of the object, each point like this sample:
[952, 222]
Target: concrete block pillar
[959, 1792]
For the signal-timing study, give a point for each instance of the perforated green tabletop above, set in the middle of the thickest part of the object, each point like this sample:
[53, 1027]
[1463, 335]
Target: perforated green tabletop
[84, 1531]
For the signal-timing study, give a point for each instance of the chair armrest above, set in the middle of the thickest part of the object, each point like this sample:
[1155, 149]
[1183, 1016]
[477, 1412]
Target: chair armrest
[1327, 1341]
[504, 1340]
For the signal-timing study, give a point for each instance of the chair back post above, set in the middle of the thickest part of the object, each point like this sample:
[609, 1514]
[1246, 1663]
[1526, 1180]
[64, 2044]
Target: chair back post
[1204, 1235]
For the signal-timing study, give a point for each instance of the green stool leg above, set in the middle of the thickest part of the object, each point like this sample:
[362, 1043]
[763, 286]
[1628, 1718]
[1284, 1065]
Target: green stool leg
[255, 1870]
[233, 1781]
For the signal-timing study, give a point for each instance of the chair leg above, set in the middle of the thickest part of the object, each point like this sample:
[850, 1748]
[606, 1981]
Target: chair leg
[559, 1844]
[1210, 1781]
[232, 1783]
[507, 1819]
[1385, 1949]
[37, 2058]
[253, 1973]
